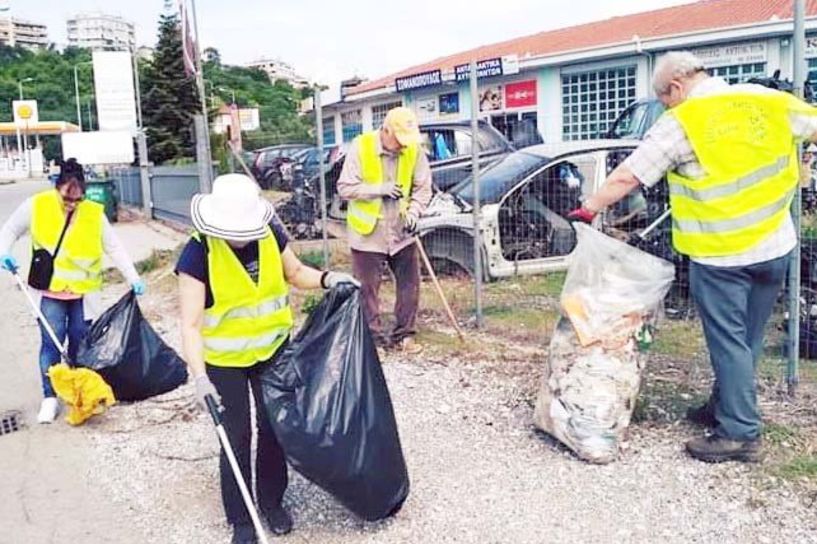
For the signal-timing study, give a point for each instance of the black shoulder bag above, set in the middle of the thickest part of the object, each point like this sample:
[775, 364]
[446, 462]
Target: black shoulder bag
[42, 263]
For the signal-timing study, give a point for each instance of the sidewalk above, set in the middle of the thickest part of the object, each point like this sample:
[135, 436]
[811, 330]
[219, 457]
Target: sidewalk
[141, 238]
[49, 472]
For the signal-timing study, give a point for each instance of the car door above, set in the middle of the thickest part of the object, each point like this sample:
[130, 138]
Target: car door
[534, 232]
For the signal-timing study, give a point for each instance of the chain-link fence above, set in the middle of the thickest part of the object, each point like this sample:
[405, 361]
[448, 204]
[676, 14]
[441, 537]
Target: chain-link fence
[524, 189]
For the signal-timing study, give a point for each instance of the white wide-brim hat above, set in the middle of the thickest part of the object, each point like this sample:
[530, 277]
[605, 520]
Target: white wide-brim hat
[235, 210]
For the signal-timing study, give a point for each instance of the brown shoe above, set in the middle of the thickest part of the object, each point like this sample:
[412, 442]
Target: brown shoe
[408, 346]
[716, 449]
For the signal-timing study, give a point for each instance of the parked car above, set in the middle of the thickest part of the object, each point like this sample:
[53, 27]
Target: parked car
[271, 166]
[308, 160]
[525, 199]
[636, 119]
[448, 148]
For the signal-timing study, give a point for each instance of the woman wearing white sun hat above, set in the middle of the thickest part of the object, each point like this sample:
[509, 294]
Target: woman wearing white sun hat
[234, 277]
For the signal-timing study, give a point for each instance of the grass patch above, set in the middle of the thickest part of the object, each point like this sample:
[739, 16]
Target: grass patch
[681, 338]
[314, 259]
[549, 285]
[779, 435]
[801, 467]
[664, 401]
[158, 259]
[445, 343]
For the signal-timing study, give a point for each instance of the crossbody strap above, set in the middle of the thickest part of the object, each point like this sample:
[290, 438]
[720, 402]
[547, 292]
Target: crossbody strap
[62, 235]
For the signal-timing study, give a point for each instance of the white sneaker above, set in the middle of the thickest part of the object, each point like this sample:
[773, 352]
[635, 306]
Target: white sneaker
[49, 409]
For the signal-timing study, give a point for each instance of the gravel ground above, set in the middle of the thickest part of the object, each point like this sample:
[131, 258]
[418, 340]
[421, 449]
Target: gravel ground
[479, 472]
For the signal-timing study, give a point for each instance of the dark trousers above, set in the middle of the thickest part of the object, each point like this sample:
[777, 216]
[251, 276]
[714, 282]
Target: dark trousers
[233, 385]
[67, 318]
[368, 268]
[735, 304]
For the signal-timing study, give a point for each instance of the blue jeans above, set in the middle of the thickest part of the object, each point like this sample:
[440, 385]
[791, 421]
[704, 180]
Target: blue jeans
[64, 316]
[735, 303]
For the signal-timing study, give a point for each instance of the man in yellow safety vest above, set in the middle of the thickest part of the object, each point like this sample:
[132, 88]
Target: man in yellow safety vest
[729, 153]
[387, 181]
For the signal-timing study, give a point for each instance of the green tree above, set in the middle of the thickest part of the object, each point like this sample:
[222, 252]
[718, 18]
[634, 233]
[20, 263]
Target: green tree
[169, 98]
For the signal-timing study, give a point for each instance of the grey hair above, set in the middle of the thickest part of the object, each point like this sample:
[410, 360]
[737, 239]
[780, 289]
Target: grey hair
[674, 65]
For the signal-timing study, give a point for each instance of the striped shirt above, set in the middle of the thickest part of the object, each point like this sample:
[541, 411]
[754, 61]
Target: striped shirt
[666, 147]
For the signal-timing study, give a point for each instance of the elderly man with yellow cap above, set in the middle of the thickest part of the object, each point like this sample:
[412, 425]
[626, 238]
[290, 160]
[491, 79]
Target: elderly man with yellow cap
[234, 278]
[387, 180]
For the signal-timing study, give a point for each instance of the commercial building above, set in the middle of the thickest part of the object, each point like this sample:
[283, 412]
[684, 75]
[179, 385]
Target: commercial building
[101, 32]
[571, 83]
[22, 33]
[277, 69]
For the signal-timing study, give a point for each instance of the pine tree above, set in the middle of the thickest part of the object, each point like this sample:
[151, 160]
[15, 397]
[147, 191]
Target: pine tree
[169, 98]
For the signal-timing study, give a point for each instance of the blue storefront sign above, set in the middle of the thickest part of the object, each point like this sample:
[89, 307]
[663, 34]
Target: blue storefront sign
[418, 81]
[485, 68]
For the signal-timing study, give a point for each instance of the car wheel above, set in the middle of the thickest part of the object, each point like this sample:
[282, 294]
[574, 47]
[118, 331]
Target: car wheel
[451, 252]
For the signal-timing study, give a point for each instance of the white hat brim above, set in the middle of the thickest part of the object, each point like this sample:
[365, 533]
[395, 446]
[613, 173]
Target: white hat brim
[239, 227]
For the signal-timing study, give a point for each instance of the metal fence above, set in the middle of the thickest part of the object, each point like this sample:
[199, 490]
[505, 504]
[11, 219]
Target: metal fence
[128, 185]
[172, 189]
[519, 200]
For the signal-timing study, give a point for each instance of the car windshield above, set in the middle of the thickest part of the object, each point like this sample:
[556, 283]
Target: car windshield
[500, 178]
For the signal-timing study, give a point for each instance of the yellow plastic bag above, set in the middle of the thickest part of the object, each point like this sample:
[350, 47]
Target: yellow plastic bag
[83, 390]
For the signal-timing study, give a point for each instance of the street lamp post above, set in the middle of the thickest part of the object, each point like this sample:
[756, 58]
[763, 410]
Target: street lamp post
[76, 92]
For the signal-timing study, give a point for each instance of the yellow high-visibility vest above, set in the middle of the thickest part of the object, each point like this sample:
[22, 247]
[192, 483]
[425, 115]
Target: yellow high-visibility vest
[78, 265]
[363, 214]
[745, 145]
[248, 321]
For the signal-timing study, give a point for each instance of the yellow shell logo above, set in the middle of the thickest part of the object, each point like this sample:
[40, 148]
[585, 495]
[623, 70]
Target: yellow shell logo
[25, 111]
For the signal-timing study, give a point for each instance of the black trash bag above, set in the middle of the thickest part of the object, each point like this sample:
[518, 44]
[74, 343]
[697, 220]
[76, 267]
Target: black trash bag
[129, 355]
[328, 402]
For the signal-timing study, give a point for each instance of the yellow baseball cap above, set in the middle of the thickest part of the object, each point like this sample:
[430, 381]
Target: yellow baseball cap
[403, 124]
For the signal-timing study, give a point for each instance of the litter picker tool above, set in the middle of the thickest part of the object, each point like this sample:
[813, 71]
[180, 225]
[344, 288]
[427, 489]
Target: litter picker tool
[215, 413]
[38, 315]
[637, 238]
[438, 288]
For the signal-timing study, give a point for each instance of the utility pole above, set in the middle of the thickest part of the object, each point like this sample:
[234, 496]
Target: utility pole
[798, 51]
[475, 212]
[76, 97]
[206, 170]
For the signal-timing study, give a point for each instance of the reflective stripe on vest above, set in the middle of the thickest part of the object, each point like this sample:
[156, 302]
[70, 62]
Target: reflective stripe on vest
[78, 265]
[744, 144]
[248, 321]
[362, 214]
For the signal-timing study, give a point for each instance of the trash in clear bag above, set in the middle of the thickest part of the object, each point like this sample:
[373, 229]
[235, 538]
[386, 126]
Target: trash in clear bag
[593, 373]
[328, 402]
[611, 287]
[129, 355]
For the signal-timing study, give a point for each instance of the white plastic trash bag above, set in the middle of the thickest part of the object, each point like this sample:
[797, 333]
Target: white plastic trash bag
[593, 371]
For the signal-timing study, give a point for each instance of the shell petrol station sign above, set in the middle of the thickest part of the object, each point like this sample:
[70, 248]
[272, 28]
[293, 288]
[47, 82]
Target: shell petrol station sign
[25, 113]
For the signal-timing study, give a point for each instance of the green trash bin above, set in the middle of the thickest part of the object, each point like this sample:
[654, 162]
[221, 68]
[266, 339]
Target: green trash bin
[103, 192]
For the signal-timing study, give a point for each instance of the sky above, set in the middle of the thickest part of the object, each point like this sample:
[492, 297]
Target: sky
[331, 40]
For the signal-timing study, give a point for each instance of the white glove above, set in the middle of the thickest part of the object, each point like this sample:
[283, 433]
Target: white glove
[330, 280]
[205, 387]
[391, 190]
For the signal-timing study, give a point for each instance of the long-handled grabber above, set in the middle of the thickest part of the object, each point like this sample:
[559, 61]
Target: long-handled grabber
[38, 315]
[215, 413]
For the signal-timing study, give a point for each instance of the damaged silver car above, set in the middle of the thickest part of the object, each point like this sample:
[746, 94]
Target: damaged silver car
[525, 199]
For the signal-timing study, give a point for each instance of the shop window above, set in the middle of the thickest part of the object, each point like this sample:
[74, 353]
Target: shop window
[739, 73]
[379, 112]
[328, 131]
[351, 125]
[610, 93]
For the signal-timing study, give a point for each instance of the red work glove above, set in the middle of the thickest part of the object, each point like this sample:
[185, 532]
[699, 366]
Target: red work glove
[581, 214]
